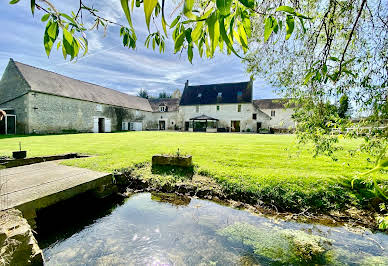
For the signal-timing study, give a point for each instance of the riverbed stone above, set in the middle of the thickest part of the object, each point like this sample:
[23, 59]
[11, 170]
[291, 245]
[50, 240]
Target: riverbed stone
[18, 245]
[173, 160]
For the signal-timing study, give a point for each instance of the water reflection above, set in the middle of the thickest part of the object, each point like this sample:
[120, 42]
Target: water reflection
[151, 230]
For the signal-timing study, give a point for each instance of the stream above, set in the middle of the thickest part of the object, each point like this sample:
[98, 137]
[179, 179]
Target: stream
[165, 229]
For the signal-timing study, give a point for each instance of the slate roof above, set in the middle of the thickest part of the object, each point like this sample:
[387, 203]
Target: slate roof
[45, 81]
[209, 93]
[271, 104]
[171, 103]
[203, 117]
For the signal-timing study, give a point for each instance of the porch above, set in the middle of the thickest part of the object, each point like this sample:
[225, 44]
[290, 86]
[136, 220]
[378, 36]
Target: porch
[203, 123]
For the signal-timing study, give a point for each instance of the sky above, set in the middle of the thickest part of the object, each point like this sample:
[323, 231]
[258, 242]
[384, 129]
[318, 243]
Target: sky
[108, 63]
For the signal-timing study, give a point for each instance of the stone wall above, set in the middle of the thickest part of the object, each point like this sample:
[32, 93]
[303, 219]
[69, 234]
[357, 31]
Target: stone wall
[18, 245]
[56, 114]
[282, 119]
[12, 84]
[20, 106]
[226, 114]
[172, 120]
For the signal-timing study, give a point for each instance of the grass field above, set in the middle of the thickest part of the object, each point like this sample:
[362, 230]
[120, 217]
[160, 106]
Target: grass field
[267, 167]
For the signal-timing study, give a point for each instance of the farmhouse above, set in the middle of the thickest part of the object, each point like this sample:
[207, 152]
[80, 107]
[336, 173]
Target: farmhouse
[41, 101]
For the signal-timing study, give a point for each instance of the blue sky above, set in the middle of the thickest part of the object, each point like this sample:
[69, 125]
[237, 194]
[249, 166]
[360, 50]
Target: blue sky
[108, 63]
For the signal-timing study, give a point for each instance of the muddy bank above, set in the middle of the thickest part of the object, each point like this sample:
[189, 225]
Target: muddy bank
[144, 179]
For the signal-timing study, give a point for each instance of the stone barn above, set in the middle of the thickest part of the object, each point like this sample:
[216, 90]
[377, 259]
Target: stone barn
[41, 101]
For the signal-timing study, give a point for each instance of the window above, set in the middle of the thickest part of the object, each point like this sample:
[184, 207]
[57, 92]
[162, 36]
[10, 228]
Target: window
[239, 93]
[219, 94]
[218, 107]
[254, 116]
[162, 108]
[197, 108]
[272, 112]
[239, 108]
[99, 108]
[199, 94]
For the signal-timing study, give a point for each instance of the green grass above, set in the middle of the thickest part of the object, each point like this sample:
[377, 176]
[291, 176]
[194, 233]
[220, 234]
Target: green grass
[266, 167]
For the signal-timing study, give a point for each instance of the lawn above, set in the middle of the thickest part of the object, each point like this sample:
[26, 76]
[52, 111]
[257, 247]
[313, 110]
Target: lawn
[267, 167]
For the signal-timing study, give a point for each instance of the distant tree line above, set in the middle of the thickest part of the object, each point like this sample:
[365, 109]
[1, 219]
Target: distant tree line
[143, 93]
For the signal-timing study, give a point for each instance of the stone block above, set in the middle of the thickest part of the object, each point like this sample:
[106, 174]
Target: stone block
[19, 246]
[172, 160]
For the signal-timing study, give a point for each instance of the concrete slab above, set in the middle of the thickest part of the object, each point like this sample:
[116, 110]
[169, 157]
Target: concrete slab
[36, 186]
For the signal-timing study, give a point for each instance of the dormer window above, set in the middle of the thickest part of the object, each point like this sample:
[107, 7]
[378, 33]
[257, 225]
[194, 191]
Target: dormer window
[162, 108]
[219, 94]
[199, 94]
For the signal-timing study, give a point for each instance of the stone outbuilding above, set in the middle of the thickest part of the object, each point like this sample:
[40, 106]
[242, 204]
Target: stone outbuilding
[41, 101]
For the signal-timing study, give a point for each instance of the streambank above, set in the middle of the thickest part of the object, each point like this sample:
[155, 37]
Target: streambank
[145, 179]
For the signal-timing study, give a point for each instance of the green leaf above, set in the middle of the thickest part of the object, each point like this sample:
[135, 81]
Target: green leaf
[32, 7]
[125, 7]
[12, 2]
[149, 6]
[224, 6]
[196, 33]
[286, 9]
[179, 41]
[164, 23]
[188, 35]
[289, 26]
[332, 58]
[69, 19]
[225, 37]
[243, 35]
[248, 3]
[308, 77]
[247, 27]
[268, 28]
[175, 21]
[45, 17]
[53, 31]
[47, 41]
[190, 52]
[187, 9]
[67, 36]
[211, 23]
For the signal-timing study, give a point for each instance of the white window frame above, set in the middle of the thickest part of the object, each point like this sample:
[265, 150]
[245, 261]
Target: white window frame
[162, 108]
[99, 108]
[239, 108]
[273, 113]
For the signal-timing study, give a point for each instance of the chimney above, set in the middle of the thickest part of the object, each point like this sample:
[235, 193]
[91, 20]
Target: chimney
[187, 83]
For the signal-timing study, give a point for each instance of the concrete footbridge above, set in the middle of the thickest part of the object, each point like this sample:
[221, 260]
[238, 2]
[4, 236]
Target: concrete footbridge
[36, 186]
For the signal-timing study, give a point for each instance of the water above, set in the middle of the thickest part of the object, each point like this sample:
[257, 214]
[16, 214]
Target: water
[150, 229]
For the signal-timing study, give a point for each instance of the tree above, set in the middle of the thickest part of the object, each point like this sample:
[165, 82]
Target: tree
[143, 94]
[164, 95]
[342, 50]
[343, 106]
[204, 24]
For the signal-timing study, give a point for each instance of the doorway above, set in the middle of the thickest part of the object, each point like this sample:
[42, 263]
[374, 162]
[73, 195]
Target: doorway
[258, 127]
[101, 125]
[162, 125]
[8, 125]
[187, 125]
[235, 126]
